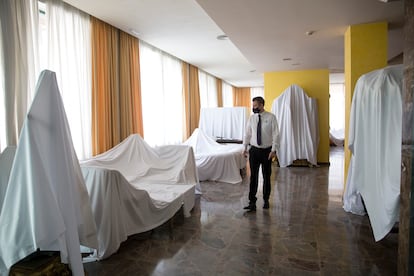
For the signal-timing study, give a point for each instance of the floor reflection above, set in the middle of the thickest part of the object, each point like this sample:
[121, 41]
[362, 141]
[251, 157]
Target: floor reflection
[305, 232]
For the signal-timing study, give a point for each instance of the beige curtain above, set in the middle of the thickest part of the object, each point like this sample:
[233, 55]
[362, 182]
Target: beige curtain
[241, 96]
[219, 83]
[105, 86]
[116, 106]
[191, 97]
[129, 86]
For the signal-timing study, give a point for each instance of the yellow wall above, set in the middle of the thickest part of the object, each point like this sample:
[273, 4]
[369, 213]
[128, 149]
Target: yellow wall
[315, 83]
[365, 50]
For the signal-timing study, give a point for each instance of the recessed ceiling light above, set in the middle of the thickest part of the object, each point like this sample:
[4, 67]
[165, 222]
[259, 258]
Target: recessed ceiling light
[310, 32]
[295, 64]
[222, 37]
[287, 59]
[252, 71]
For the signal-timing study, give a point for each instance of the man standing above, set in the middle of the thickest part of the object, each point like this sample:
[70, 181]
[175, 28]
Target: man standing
[262, 134]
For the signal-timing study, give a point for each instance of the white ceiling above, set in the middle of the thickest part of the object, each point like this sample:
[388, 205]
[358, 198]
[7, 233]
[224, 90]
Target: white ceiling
[262, 33]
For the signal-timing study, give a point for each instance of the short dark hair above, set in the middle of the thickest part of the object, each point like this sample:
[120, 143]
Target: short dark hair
[259, 100]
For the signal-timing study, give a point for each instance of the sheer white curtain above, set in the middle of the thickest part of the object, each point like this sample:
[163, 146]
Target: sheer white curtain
[208, 89]
[337, 110]
[2, 98]
[227, 93]
[162, 99]
[19, 31]
[258, 91]
[66, 50]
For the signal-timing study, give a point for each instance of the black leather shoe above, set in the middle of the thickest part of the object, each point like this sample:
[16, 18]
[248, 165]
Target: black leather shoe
[250, 208]
[266, 205]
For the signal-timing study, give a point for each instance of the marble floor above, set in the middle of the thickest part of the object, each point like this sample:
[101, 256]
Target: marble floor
[305, 232]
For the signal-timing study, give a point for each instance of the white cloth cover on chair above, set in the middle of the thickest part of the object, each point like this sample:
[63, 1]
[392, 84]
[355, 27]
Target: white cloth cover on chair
[375, 143]
[216, 162]
[46, 204]
[134, 188]
[6, 162]
[224, 122]
[297, 116]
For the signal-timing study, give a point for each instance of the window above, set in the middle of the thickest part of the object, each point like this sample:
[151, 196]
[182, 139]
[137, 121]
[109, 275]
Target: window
[208, 89]
[162, 99]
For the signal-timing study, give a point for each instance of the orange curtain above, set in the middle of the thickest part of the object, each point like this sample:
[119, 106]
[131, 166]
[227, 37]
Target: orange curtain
[116, 95]
[241, 96]
[129, 86]
[105, 86]
[194, 98]
[219, 83]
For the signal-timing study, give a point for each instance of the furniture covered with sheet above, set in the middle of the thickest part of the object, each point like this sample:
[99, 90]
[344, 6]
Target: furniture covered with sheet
[134, 188]
[6, 162]
[216, 162]
[297, 116]
[224, 122]
[375, 143]
[46, 205]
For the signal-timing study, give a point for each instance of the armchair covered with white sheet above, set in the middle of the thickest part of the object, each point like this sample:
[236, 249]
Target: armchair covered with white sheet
[46, 205]
[297, 116]
[134, 188]
[375, 144]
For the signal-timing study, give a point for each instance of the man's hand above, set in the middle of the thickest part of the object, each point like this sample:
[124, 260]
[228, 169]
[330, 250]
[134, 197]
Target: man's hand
[245, 153]
[272, 155]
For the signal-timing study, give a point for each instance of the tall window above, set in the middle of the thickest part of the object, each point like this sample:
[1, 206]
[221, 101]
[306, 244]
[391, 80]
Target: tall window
[227, 93]
[337, 110]
[162, 99]
[58, 39]
[258, 91]
[2, 97]
[208, 89]
[65, 43]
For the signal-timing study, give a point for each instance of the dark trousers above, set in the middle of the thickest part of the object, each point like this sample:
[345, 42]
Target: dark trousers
[257, 157]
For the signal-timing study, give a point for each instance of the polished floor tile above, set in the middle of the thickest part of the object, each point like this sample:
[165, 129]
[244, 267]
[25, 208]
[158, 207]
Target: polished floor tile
[305, 232]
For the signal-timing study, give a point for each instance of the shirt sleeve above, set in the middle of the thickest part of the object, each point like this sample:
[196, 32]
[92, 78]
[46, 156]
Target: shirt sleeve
[247, 134]
[275, 134]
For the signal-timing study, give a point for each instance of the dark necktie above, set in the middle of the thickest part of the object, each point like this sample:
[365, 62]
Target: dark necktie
[259, 131]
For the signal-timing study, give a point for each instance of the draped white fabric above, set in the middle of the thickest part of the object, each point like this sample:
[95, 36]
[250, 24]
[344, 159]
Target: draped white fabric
[297, 115]
[19, 23]
[224, 122]
[375, 143]
[162, 99]
[216, 162]
[46, 204]
[6, 162]
[66, 41]
[208, 89]
[135, 188]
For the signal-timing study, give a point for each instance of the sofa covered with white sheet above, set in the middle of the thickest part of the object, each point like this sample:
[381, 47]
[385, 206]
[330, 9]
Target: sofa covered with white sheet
[297, 116]
[216, 162]
[134, 188]
[375, 131]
